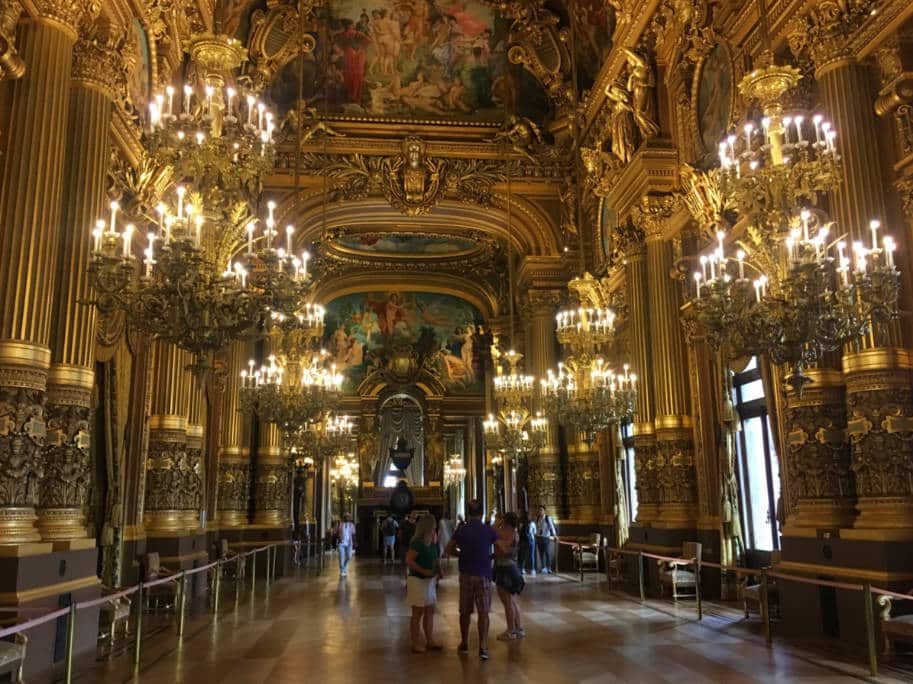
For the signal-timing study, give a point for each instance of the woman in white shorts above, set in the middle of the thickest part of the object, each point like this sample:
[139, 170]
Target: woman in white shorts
[421, 584]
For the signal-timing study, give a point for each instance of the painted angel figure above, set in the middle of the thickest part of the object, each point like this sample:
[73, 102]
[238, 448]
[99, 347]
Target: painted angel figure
[521, 134]
[641, 84]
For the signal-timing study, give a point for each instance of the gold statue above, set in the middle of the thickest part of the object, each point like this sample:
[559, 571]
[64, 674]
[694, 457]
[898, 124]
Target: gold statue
[520, 133]
[641, 84]
[621, 126]
[307, 124]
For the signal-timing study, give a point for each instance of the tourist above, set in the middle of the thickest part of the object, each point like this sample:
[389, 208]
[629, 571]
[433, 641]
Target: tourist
[545, 533]
[472, 543]
[388, 529]
[507, 575]
[345, 541]
[406, 532]
[527, 545]
[421, 583]
[459, 522]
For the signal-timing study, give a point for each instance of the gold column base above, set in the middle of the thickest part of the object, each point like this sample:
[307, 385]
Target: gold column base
[61, 524]
[269, 519]
[17, 525]
[170, 523]
[889, 513]
[822, 514]
[676, 516]
[232, 518]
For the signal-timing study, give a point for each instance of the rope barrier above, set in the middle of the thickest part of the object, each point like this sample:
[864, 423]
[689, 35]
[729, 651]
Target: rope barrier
[34, 622]
[107, 598]
[892, 594]
[815, 582]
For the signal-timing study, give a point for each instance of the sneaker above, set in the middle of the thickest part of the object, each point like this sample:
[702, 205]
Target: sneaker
[519, 633]
[483, 653]
[532, 573]
[506, 636]
[543, 571]
[463, 648]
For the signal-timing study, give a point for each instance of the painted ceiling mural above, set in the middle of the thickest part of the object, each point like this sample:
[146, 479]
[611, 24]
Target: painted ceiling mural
[427, 59]
[365, 331]
[406, 244]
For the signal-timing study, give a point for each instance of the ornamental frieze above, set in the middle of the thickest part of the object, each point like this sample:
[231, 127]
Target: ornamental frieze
[543, 484]
[271, 488]
[67, 462]
[234, 484]
[22, 438]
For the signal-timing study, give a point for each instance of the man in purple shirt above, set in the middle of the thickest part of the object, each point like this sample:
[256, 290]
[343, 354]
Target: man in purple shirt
[472, 544]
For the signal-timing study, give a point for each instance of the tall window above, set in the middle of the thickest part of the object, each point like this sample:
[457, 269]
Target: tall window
[630, 475]
[758, 468]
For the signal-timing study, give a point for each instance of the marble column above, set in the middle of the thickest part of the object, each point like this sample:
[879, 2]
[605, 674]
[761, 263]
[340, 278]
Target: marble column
[631, 243]
[64, 489]
[31, 191]
[171, 492]
[543, 475]
[234, 453]
[271, 480]
[668, 358]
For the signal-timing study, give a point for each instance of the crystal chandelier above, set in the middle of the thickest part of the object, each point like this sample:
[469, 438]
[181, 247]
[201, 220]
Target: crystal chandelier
[454, 471]
[330, 435]
[291, 392]
[344, 471]
[794, 289]
[516, 432]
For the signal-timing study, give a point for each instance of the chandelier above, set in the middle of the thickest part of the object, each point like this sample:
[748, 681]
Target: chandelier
[794, 289]
[454, 471]
[291, 392]
[330, 435]
[204, 152]
[516, 432]
[344, 471]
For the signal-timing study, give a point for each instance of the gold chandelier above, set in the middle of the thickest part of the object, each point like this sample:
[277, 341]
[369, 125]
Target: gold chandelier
[516, 432]
[454, 471]
[344, 471]
[330, 435]
[794, 289]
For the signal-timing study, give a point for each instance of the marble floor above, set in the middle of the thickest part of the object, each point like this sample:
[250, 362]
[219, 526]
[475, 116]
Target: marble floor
[320, 628]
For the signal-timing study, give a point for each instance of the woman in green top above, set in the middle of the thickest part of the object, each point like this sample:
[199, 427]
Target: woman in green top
[421, 584]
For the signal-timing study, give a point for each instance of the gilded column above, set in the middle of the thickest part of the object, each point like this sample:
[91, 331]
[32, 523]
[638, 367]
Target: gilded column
[169, 501]
[64, 489]
[877, 370]
[234, 454]
[543, 475]
[30, 201]
[672, 402]
[630, 239]
[271, 480]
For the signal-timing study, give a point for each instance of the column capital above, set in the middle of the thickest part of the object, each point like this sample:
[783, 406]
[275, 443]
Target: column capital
[11, 64]
[629, 240]
[68, 13]
[825, 32]
[652, 214]
[100, 60]
[540, 302]
[904, 188]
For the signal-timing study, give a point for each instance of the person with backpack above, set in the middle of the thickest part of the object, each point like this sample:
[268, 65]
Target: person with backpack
[545, 533]
[388, 529]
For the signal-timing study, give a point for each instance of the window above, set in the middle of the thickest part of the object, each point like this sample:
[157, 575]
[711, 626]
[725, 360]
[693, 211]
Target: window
[629, 473]
[758, 468]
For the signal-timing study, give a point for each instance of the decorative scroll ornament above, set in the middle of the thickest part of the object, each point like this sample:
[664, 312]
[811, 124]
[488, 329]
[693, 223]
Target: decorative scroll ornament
[11, 64]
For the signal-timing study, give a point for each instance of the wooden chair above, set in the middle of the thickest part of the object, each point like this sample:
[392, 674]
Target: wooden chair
[680, 574]
[587, 553]
[113, 613]
[896, 628]
[227, 556]
[615, 564]
[12, 656]
[161, 596]
[751, 593]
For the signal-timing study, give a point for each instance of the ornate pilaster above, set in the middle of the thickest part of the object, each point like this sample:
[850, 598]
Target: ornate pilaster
[271, 480]
[669, 361]
[543, 473]
[582, 485]
[234, 454]
[172, 485]
[64, 489]
[30, 201]
[879, 390]
[11, 64]
[818, 456]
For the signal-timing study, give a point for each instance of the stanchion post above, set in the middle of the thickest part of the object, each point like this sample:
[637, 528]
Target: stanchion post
[870, 629]
[137, 647]
[182, 603]
[238, 560]
[217, 589]
[269, 560]
[557, 553]
[640, 574]
[697, 588]
[71, 641]
[765, 606]
[253, 572]
[580, 560]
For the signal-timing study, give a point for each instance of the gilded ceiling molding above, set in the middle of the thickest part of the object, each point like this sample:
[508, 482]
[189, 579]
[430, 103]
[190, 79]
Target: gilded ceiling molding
[826, 29]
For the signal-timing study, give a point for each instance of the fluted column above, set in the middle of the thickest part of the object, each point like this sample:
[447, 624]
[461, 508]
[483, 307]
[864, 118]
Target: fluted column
[877, 371]
[170, 493]
[234, 454]
[543, 475]
[30, 201]
[271, 480]
[669, 360]
[64, 488]
[631, 242]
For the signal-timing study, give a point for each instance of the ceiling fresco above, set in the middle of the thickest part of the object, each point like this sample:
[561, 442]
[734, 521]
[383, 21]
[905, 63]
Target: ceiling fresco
[406, 245]
[401, 59]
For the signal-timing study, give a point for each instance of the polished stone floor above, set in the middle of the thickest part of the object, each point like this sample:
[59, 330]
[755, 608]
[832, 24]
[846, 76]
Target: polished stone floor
[320, 628]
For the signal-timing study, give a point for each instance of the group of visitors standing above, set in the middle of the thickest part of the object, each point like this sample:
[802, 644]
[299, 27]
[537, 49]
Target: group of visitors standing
[536, 538]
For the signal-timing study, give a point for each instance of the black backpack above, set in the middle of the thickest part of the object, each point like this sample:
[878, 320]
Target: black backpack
[388, 529]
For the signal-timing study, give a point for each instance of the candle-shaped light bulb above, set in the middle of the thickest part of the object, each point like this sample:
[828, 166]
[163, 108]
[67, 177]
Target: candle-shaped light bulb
[180, 190]
[169, 91]
[740, 255]
[697, 282]
[114, 207]
[874, 226]
[200, 137]
[251, 102]
[198, 221]
[230, 92]
[97, 233]
[251, 226]
[798, 120]
[188, 91]
[128, 238]
[889, 247]
[719, 236]
[817, 119]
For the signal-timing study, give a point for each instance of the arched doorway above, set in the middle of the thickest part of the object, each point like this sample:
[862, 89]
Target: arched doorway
[400, 415]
